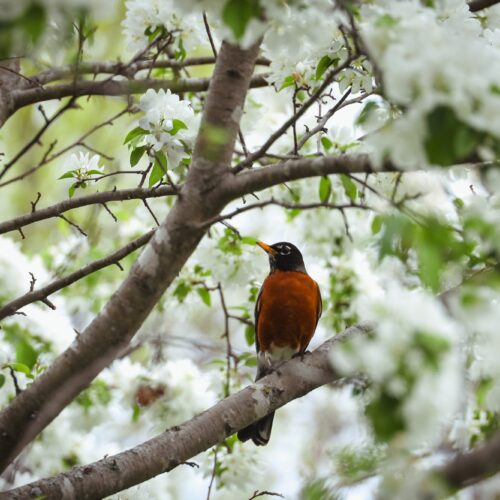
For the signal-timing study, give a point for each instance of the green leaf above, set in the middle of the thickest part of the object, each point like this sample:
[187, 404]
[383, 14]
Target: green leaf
[349, 187]
[495, 89]
[432, 346]
[68, 175]
[249, 240]
[430, 265]
[386, 417]
[301, 95]
[324, 63]
[449, 140]
[157, 173]
[205, 296]
[249, 335]
[25, 353]
[181, 291]
[238, 13]
[180, 53]
[376, 224]
[136, 155]
[20, 367]
[136, 412]
[176, 126]
[136, 132]
[386, 21]
[325, 189]
[327, 143]
[354, 463]
[249, 360]
[95, 172]
[366, 113]
[34, 21]
[287, 82]
[2, 380]
[72, 188]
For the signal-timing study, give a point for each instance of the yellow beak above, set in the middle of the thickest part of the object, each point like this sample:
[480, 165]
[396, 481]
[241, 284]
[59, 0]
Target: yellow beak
[267, 248]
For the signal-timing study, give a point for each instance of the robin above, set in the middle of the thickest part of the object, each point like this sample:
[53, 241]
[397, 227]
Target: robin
[287, 311]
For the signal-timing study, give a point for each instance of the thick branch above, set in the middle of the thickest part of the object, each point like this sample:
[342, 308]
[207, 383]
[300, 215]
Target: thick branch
[253, 180]
[42, 293]
[26, 97]
[120, 68]
[477, 5]
[9, 80]
[166, 451]
[83, 201]
[469, 468]
[157, 266]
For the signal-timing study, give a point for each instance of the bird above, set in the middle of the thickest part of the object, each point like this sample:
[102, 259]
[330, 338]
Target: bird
[287, 311]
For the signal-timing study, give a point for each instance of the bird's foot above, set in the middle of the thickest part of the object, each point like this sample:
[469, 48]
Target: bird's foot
[301, 354]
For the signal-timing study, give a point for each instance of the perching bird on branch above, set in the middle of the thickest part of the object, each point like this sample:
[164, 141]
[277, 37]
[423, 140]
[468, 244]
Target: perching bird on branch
[287, 311]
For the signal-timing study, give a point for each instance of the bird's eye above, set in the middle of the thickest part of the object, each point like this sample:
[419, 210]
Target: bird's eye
[285, 249]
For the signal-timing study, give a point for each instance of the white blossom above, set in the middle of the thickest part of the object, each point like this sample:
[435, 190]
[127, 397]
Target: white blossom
[162, 109]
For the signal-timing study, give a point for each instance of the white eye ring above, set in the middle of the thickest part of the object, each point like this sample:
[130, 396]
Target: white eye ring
[285, 250]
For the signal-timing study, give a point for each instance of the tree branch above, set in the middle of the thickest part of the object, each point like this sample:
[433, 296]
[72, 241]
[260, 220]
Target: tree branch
[83, 201]
[120, 68]
[108, 87]
[477, 5]
[157, 266]
[471, 467]
[166, 451]
[42, 293]
[9, 80]
[261, 178]
[284, 204]
[293, 119]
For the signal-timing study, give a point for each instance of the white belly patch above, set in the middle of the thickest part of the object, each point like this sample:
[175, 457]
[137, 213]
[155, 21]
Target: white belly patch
[281, 353]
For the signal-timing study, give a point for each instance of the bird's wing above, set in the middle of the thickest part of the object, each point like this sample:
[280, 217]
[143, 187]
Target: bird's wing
[320, 305]
[256, 319]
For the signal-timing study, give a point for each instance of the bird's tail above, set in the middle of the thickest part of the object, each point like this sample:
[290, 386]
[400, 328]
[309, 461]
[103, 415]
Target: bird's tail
[259, 432]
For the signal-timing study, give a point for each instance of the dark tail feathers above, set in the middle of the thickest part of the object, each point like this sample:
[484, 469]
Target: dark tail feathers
[259, 432]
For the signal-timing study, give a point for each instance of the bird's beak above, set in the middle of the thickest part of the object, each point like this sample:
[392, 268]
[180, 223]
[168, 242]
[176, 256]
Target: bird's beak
[269, 250]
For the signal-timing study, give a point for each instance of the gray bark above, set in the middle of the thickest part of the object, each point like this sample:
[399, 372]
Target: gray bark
[167, 450]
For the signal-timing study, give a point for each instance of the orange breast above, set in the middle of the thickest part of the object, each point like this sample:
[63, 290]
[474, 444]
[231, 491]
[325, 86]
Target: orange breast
[288, 313]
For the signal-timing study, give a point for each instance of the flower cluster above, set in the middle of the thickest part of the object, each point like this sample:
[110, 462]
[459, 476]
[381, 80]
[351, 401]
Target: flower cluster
[441, 68]
[145, 17]
[169, 125]
[410, 352]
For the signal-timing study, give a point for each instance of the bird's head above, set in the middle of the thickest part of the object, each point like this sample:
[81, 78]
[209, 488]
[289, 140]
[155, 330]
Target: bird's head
[283, 256]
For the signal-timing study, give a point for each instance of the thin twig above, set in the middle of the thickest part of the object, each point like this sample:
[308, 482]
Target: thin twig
[214, 471]
[324, 119]
[48, 157]
[146, 204]
[258, 493]
[32, 282]
[284, 204]
[14, 379]
[83, 201]
[209, 34]
[37, 136]
[109, 212]
[225, 335]
[76, 226]
[33, 203]
[42, 293]
[278, 133]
